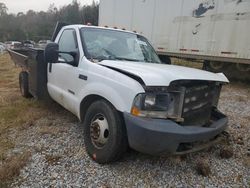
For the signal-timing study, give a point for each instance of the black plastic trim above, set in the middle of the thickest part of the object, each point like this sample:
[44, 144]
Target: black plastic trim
[72, 92]
[157, 136]
[83, 77]
[59, 26]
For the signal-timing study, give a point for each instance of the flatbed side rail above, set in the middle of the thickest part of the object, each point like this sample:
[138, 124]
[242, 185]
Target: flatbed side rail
[19, 59]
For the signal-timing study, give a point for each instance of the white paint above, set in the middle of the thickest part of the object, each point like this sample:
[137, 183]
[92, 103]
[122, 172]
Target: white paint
[162, 75]
[119, 89]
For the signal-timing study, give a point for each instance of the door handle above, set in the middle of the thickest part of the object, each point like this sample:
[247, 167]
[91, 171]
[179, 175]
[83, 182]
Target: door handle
[83, 77]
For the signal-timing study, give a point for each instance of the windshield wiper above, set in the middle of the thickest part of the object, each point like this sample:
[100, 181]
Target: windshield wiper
[102, 58]
[126, 59]
[148, 61]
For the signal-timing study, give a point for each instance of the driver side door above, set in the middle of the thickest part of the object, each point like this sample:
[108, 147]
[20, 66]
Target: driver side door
[63, 74]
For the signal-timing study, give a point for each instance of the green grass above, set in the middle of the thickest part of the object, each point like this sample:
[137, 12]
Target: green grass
[16, 112]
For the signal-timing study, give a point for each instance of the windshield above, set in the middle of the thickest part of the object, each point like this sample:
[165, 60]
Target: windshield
[104, 44]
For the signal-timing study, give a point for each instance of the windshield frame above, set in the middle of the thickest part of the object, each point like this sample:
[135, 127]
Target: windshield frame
[88, 56]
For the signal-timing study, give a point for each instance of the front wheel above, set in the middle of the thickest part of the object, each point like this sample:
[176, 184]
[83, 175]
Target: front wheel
[104, 133]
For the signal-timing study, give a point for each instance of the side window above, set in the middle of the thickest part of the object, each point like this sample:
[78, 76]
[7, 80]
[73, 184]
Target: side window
[67, 43]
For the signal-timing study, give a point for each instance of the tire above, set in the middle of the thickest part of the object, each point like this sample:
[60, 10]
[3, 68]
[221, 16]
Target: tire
[242, 67]
[24, 84]
[165, 59]
[213, 66]
[109, 142]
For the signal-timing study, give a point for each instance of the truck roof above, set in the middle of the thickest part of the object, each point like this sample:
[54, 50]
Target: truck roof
[79, 26]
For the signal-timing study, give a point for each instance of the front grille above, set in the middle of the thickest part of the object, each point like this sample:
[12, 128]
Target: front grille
[198, 103]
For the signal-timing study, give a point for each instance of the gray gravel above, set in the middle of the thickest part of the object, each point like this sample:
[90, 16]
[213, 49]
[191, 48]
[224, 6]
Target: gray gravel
[59, 136]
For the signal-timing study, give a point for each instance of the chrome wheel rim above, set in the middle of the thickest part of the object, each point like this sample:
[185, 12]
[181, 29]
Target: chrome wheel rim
[99, 131]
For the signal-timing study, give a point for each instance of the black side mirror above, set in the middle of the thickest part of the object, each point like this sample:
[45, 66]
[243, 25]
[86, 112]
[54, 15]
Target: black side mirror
[51, 53]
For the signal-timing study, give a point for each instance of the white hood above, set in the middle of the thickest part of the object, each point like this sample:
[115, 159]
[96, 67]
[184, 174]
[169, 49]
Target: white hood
[162, 75]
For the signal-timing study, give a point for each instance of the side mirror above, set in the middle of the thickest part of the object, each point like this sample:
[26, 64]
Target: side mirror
[70, 58]
[51, 53]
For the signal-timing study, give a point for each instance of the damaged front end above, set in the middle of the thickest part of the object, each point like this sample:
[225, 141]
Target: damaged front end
[178, 119]
[185, 102]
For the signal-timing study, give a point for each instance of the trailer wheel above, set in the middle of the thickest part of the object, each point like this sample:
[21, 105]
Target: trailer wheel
[243, 67]
[214, 66]
[24, 84]
[165, 59]
[104, 133]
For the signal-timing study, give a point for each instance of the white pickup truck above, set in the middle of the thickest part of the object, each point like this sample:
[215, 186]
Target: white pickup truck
[114, 82]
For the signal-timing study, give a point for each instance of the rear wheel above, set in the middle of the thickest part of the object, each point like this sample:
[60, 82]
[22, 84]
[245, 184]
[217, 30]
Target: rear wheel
[104, 133]
[243, 67]
[165, 59]
[24, 84]
[233, 71]
[214, 66]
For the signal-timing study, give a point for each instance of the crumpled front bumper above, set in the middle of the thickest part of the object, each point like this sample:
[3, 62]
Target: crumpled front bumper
[157, 136]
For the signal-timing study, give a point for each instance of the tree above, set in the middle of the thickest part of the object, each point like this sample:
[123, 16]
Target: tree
[71, 13]
[52, 9]
[90, 14]
[3, 9]
[40, 25]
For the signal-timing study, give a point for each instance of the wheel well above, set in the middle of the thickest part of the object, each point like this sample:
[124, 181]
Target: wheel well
[87, 101]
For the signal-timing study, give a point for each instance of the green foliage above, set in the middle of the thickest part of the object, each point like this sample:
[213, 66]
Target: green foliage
[40, 25]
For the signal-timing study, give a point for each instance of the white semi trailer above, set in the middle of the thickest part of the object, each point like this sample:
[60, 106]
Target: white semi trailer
[215, 31]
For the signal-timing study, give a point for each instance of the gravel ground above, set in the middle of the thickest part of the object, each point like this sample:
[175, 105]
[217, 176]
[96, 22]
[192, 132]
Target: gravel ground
[59, 158]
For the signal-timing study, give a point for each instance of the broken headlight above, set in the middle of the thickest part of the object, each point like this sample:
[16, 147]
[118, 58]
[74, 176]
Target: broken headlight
[163, 105]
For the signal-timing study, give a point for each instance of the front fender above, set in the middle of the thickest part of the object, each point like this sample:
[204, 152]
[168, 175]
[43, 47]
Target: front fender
[120, 97]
